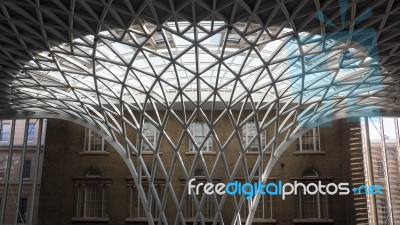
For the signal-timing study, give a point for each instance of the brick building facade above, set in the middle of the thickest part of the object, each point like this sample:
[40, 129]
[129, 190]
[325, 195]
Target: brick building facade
[82, 185]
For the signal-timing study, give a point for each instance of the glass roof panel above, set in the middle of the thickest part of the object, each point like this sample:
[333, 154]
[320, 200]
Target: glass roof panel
[184, 57]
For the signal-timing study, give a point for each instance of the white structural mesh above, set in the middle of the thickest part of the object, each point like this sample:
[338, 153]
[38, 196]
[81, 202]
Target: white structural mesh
[116, 77]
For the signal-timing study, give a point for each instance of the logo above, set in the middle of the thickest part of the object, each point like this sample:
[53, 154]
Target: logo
[279, 188]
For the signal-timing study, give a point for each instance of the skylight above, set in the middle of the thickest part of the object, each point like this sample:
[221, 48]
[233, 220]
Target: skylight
[196, 61]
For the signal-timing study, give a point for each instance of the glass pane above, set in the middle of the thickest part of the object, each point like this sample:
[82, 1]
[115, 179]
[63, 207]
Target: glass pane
[31, 132]
[93, 141]
[151, 133]
[93, 201]
[5, 132]
[199, 131]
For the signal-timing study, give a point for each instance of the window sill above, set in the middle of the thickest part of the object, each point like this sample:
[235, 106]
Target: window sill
[148, 153]
[94, 153]
[255, 221]
[203, 153]
[252, 152]
[92, 219]
[308, 221]
[191, 220]
[309, 152]
[16, 181]
[256, 153]
[139, 220]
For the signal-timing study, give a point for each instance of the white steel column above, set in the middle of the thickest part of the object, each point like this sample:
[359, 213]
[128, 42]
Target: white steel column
[373, 212]
[21, 172]
[386, 172]
[37, 165]
[8, 170]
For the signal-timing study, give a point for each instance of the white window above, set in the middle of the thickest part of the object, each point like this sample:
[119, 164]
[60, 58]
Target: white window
[3, 167]
[385, 213]
[208, 208]
[31, 132]
[136, 209]
[312, 206]
[310, 141]
[200, 130]
[249, 131]
[93, 200]
[5, 132]
[151, 133]
[93, 141]
[381, 172]
[264, 207]
[91, 196]
[26, 173]
[263, 210]
[22, 210]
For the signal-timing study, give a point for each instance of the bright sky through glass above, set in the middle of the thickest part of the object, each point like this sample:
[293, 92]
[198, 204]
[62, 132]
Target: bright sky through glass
[388, 131]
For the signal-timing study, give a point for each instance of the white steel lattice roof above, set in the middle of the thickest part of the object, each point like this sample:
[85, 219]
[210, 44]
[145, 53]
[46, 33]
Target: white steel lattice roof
[112, 64]
[106, 53]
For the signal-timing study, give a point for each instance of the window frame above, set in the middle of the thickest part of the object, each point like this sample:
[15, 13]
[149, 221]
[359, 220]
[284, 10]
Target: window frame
[2, 133]
[134, 202]
[380, 169]
[385, 212]
[3, 168]
[318, 203]
[26, 170]
[322, 202]
[22, 210]
[208, 144]
[316, 140]
[136, 209]
[246, 137]
[89, 137]
[155, 134]
[97, 203]
[31, 132]
[80, 198]
[190, 210]
[264, 210]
